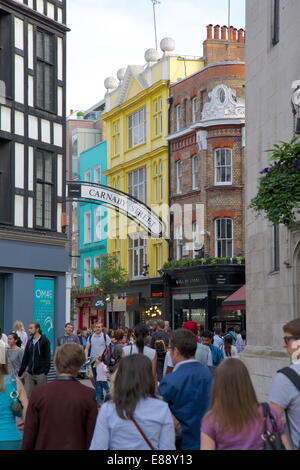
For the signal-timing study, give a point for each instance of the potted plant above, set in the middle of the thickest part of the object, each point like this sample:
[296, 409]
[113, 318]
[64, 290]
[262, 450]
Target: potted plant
[278, 195]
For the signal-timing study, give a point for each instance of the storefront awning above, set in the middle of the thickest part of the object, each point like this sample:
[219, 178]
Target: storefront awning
[236, 301]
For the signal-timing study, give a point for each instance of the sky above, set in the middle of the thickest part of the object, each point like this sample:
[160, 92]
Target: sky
[107, 35]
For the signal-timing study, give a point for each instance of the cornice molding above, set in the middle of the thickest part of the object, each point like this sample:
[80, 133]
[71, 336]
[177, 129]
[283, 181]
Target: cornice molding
[31, 238]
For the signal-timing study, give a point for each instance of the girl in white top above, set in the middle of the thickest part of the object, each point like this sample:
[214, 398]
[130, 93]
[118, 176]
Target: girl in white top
[141, 334]
[228, 350]
[134, 405]
[20, 330]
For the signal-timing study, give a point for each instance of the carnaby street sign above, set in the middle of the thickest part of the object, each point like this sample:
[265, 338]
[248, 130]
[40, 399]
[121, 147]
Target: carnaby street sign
[126, 204]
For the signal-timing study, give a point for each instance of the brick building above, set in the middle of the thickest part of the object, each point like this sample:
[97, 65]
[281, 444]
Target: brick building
[206, 141]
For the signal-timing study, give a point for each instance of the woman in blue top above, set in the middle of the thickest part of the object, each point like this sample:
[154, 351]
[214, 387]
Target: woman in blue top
[10, 438]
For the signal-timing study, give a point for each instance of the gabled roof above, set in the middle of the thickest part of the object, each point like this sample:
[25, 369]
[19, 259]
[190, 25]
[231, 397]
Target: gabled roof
[133, 72]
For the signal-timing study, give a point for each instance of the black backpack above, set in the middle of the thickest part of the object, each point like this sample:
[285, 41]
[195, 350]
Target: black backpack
[160, 346]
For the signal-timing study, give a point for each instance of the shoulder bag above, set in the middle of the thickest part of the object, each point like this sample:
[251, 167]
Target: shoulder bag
[295, 379]
[272, 439]
[16, 405]
[142, 433]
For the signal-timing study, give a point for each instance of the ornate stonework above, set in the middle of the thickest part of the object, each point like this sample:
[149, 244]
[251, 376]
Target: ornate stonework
[223, 104]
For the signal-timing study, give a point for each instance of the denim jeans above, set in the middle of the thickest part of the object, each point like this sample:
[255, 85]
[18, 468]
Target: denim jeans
[100, 387]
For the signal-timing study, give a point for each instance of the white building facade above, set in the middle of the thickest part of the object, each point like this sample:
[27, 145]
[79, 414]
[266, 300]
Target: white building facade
[272, 252]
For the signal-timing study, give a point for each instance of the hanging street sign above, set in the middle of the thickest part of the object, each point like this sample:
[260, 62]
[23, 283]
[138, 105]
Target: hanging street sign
[128, 205]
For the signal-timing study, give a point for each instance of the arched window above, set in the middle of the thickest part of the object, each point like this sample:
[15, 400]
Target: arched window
[224, 238]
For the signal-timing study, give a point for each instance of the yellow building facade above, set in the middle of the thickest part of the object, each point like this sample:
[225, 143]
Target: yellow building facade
[136, 120]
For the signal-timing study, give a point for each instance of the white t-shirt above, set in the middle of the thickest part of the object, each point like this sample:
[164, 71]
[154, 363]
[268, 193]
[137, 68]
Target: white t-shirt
[168, 362]
[4, 338]
[149, 352]
[234, 352]
[98, 344]
[101, 372]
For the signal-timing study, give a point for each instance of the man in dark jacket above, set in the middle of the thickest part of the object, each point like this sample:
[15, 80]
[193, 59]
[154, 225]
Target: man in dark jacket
[160, 342]
[187, 389]
[36, 359]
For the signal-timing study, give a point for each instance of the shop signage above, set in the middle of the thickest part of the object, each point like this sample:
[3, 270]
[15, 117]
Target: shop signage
[131, 207]
[43, 312]
[98, 303]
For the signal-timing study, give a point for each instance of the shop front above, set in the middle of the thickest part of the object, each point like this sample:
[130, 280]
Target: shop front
[91, 309]
[198, 294]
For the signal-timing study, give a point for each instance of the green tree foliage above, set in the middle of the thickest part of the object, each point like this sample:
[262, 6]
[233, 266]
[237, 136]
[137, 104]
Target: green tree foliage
[278, 195]
[111, 277]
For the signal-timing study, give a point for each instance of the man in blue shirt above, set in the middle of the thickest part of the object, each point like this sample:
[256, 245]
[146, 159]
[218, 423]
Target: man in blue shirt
[217, 355]
[187, 388]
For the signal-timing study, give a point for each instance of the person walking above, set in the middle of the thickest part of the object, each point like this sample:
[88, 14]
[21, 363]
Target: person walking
[68, 336]
[20, 330]
[203, 353]
[10, 437]
[14, 354]
[36, 358]
[141, 336]
[135, 419]
[216, 353]
[235, 420]
[101, 382]
[187, 388]
[95, 347]
[284, 394]
[160, 342]
[228, 349]
[61, 424]
[218, 339]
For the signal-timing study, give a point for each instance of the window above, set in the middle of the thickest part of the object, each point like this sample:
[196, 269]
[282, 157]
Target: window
[116, 137]
[137, 255]
[178, 117]
[275, 22]
[137, 184]
[6, 182]
[223, 166]
[88, 176]
[137, 128]
[155, 179]
[97, 261]
[6, 55]
[157, 117]
[87, 272]
[44, 174]
[45, 71]
[178, 177]
[194, 109]
[276, 250]
[224, 238]
[97, 174]
[97, 224]
[195, 172]
[158, 256]
[178, 242]
[158, 181]
[160, 178]
[197, 246]
[87, 227]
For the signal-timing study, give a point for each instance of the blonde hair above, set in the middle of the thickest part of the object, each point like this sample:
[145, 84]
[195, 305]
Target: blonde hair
[3, 372]
[18, 326]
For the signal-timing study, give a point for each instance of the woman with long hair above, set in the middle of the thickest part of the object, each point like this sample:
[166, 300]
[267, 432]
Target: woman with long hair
[14, 354]
[10, 438]
[20, 330]
[141, 334]
[235, 419]
[228, 349]
[135, 419]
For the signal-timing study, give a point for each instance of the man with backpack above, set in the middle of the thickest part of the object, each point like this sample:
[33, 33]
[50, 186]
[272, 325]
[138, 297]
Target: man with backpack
[160, 342]
[97, 344]
[285, 390]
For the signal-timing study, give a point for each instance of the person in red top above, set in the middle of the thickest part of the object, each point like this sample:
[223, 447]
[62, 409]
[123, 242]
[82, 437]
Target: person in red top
[61, 414]
[193, 327]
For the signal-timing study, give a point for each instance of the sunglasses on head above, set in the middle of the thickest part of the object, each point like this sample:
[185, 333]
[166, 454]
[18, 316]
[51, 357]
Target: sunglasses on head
[288, 338]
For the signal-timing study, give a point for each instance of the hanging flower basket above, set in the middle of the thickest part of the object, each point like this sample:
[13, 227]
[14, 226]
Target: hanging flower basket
[278, 195]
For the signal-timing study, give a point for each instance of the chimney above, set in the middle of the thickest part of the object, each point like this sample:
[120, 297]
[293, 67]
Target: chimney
[209, 31]
[241, 35]
[217, 32]
[224, 33]
[71, 111]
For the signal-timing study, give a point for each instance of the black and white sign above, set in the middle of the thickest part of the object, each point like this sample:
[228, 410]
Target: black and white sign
[99, 303]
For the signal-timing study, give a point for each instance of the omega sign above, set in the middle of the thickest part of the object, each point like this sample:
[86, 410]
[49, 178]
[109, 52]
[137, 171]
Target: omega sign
[132, 208]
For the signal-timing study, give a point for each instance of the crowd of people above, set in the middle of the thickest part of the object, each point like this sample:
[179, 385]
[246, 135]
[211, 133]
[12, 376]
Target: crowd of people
[151, 388]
